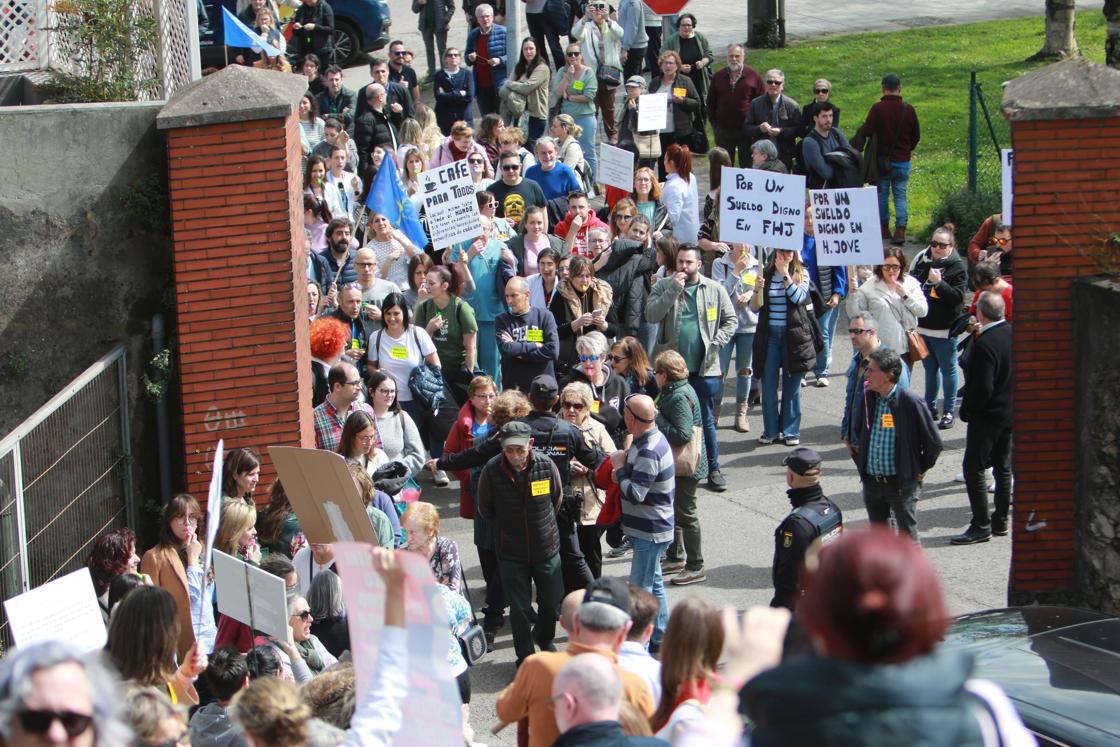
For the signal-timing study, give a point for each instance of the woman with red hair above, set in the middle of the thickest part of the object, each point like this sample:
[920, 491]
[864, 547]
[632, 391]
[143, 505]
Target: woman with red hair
[329, 337]
[874, 611]
[113, 553]
[680, 195]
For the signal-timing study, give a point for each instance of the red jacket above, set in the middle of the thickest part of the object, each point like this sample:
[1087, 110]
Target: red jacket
[728, 107]
[580, 247]
[883, 119]
[460, 439]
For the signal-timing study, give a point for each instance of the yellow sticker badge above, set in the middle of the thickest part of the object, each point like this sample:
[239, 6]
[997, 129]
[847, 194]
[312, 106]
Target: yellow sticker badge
[681, 91]
[749, 278]
[712, 313]
[398, 352]
[578, 85]
[888, 420]
[540, 487]
[534, 335]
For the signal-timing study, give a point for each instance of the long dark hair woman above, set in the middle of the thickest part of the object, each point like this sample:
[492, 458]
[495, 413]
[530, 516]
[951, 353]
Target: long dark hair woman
[530, 79]
[241, 472]
[113, 553]
[629, 360]
[278, 528]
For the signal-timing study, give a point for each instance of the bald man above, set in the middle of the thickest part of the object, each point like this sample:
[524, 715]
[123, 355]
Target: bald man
[527, 338]
[586, 699]
[645, 475]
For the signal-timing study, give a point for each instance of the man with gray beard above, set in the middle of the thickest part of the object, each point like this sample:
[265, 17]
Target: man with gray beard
[729, 97]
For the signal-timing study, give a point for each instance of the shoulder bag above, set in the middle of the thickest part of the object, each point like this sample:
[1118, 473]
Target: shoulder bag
[916, 348]
[686, 458]
[473, 640]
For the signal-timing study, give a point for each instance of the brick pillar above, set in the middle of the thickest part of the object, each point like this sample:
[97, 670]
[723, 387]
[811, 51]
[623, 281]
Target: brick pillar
[1065, 129]
[236, 191]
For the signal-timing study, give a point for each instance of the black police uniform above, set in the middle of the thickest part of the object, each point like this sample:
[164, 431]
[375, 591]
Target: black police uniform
[814, 515]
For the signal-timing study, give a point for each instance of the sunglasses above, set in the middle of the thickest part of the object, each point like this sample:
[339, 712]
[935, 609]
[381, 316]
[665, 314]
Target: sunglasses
[474, 161]
[820, 90]
[857, 331]
[774, 82]
[510, 166]
[619, 358]
[586, 358]
[574, 406]
[305, 615]
[940, 244]
[891, 266]
[574, 53]
[1001, 242]
[39, 722]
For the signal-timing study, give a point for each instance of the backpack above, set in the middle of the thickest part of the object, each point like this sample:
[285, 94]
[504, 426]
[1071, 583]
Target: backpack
[847, 167]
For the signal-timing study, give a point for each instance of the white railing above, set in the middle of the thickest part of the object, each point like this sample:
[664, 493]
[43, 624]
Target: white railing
[65, 478]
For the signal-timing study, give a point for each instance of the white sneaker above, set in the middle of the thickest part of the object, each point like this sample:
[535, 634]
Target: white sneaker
[440, 478]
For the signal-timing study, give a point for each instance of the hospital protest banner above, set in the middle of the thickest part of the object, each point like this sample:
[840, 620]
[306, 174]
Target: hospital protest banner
[762, 208]
[846, 224]
[450, 204]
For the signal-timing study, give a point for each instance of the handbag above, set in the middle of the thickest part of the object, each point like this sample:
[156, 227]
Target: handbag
[609, 75]
[916, 348]
[698, 140]
[472, 642]
[649, 146]
[686, 458]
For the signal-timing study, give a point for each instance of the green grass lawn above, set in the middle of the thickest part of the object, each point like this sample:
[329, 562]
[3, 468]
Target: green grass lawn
[934, 64]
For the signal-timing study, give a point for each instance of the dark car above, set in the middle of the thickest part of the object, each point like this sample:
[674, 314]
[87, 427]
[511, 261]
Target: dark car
[1059, 665]
[360, 26]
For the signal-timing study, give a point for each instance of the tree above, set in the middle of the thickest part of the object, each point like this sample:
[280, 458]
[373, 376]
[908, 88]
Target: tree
[1061, 31]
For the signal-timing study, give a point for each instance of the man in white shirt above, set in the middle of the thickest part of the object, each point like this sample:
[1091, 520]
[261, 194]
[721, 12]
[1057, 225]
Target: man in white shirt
[634, 656]
[347, 183]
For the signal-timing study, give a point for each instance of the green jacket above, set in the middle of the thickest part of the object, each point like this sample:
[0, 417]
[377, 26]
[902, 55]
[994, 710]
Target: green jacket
[674, 43]
[678, 410]
[718, 320]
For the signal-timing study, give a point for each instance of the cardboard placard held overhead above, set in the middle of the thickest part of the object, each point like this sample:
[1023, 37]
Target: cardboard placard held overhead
[450, 203]
[250, 595]
[432, 711]
[65, 609]
[653, 112]
[1007, 158]
[762, 208]
[846, 225]
[323, 495]
[616, 167]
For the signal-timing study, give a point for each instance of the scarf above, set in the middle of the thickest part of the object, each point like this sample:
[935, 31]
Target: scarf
[310, 655]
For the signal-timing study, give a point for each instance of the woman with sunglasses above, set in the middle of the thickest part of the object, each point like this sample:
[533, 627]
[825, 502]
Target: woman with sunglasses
[992, 242]
[628, 360]
[583, 305]
[893, 298]
[303, 653]
[822, 89]
[576, 403]
[622, 214]
[944, 278]
[488, 206]
[576, 91]
[608, 389]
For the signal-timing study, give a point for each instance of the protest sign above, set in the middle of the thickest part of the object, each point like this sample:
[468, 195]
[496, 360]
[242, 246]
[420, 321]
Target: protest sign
[762, 208]
[431, 712]
[65, 609]
[250, 595]
[323, 495]
[653, 112]
[1007, 159]
[616, 167]
[450, 203]
[846, 224]
[214, 517]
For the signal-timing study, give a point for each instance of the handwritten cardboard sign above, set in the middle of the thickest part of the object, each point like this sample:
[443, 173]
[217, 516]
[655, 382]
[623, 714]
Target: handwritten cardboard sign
[450, 203]
[846, 224]
[762, 208]
[323, 495]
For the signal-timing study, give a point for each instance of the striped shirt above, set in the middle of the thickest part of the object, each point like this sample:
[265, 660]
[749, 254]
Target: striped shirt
[646, 481]
[778, 292]
[880, 451]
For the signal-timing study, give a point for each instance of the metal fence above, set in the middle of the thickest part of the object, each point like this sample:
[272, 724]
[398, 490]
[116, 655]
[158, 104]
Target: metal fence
[65, 479]
[987, 134]
[28, 44]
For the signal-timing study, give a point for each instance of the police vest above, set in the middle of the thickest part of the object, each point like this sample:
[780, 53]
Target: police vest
[828, 525]
[556, 443]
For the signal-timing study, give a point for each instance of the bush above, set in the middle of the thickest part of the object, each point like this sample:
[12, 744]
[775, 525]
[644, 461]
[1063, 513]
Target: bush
[963, 209]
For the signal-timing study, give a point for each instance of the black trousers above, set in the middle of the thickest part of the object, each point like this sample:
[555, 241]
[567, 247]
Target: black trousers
[987, 445]
[635, 60]
[573, 564]
[653, 49]
[591, 543]
[487, 98]
[495, 605]
[544, 35]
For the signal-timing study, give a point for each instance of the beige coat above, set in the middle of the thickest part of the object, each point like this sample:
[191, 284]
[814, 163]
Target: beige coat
[167, 572]
[534, 89]
[594, 433]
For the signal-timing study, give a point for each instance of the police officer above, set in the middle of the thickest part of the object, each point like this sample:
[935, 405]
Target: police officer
[814, 516]
[561, 441]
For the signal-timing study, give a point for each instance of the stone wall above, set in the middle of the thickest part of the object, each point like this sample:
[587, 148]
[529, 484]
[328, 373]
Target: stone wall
[81, 273]
[1096, 307]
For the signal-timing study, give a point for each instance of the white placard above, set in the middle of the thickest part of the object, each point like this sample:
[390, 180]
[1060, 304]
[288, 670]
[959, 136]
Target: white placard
[432, 711]
[762, 208]
[616, 167]
[450, 203]
[846, 224]
[1007, 159]
[65, 609]
[213, 513]
[250, 595]
[653, 112]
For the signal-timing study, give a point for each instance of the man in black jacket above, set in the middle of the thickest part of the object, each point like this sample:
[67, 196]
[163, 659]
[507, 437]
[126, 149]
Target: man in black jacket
[626, 268]
[399, 104]
[520, 491]
[527, 338]
[988, 408]
[313, 27]
[374, 126]
[337, 101]
[775, 116]
[814, 516]
[898, 444]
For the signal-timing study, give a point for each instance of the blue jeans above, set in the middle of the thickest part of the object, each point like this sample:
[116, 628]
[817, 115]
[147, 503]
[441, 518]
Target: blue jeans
[707, 392]
[941, 363]
[488, 357]
[777, 357]
[587, 142]
[828, 331]
[894, 182]
[743, 344]
[645, 571]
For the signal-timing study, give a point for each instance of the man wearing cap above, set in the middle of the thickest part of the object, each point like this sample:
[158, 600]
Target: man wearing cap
[729, 99]
[814, 516]
[519, 491]
[599, 627]
[895, 124]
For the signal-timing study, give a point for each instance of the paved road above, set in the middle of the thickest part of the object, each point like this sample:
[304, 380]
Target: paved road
[738, 527]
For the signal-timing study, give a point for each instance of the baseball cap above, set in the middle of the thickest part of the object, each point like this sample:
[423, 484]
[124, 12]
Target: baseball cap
[891, 81]
[607, 590]
[543, 385]
[636, 80]
[803, 460]
[516, 433]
